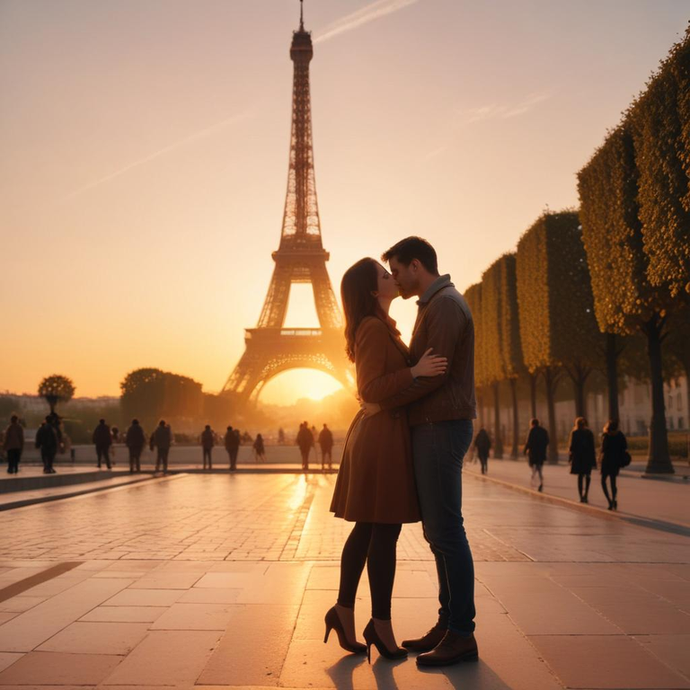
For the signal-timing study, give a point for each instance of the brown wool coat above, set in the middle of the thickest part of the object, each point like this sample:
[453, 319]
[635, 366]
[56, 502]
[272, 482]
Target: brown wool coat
[376, 479]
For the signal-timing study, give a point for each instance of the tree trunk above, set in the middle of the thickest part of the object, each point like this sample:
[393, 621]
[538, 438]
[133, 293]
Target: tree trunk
[658, 461]
[480, 407]
[612, 354]
[498, 441]
[516, 419]
[551, 381]
[579, 375]
[533, 376]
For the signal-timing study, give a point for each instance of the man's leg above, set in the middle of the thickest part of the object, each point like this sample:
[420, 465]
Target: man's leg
[438, 452]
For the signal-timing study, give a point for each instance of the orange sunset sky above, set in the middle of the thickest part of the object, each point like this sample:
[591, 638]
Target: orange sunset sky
[144, 144]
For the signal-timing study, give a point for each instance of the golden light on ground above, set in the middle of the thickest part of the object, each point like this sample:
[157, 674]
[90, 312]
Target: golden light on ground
[293, 385]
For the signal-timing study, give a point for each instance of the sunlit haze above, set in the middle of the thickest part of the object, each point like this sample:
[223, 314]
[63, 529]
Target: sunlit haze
[144, 144]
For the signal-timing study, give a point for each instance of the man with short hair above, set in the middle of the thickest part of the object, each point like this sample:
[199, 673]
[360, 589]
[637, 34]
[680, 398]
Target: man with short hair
[326, 443]
[162, 440]
[440, 411]
[482, 443]
[305, 441]
[13, 443]
[102, 439]
[207, 443]
[232, 445]
[48, 441]
[135, 439]
[535, 449]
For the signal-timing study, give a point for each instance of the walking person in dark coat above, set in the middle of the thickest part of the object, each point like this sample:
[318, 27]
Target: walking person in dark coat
[305, 441]
[162, 440]
[375, 487]
[582, 456]
[208, 440]
[259, 449]
[326, 443]
[232, 445]
[614, 447]
[535, 449]
[48, 442]
[13, 444]
[135, 440]
[482, 443]
[103, 439]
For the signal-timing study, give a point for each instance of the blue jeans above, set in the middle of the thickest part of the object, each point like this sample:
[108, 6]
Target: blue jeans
[438, 450]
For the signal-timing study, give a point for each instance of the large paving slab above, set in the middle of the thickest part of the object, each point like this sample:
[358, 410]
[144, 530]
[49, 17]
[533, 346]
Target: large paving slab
[215, 582]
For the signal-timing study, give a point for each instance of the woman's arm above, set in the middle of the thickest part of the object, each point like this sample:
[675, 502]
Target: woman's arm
[371, 345]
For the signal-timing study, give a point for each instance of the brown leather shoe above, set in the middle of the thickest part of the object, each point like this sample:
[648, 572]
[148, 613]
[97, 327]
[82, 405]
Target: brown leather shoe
[429, 640]
[452, 649]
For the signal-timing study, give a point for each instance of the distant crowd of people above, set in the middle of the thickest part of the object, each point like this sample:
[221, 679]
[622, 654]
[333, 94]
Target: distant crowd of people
[308, 438]
[582, 457]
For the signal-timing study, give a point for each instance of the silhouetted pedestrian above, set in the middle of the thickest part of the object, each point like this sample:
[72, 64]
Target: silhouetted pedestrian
[162, 440]
[232, 445]
[582, 457]
[135, 440]
[259, 450]
[614, 455]
[13, 444]
[535, 449]
[326, 443]
[305, 441]
[115, 434]
[482, 443]
[102, 439]
[208, 440]
[48, 442]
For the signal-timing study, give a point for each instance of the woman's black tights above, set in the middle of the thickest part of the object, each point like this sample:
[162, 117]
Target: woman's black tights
[614, 488]
[372, 543]
[587, 479]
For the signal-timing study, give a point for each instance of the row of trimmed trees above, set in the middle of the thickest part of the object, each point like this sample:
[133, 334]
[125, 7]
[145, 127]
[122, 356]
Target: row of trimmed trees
[581, 285]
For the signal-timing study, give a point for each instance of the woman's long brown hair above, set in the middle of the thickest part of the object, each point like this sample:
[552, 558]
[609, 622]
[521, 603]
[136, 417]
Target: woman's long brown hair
[356, 291]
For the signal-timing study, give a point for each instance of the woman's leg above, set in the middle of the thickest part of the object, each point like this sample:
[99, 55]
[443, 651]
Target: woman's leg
[352, 563]
[381, 563]
[588, 481]
[605, 488]
[614, 490]
[381, 568]
[580, 477]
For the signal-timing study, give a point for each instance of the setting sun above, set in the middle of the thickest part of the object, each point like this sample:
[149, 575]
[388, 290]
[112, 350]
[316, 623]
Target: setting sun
[296, 384]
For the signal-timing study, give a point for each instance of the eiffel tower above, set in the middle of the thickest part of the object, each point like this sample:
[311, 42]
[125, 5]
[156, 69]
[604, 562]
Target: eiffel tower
[270, 348]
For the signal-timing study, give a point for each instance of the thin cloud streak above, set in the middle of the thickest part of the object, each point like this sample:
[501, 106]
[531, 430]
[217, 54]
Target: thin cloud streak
[192, 137]
[490, 112]
[363, 16]
[504, 112]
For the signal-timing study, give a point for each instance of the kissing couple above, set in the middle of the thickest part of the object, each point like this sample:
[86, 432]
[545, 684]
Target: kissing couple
[404, 451]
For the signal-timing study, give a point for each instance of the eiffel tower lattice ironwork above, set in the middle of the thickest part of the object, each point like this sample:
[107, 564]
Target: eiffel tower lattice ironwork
[270, 348]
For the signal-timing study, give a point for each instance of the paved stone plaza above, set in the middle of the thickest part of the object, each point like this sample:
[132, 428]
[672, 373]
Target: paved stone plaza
[210, 581]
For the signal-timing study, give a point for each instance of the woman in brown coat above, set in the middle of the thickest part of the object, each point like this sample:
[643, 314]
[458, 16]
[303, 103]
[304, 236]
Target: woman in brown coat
[375, 487]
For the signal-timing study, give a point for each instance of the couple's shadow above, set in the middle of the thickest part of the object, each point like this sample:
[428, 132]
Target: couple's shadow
[475, 675]
[342, 672]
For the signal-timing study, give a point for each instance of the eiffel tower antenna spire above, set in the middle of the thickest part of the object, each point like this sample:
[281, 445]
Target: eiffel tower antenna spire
[301, 15]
